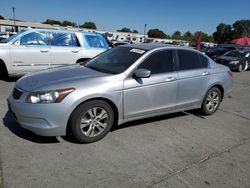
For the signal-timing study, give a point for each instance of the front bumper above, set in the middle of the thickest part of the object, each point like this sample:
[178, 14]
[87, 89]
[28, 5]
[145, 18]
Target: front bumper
[231, 66]
[42, 119]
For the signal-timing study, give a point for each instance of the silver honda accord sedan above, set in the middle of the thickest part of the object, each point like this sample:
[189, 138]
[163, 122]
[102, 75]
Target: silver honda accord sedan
[122, 84]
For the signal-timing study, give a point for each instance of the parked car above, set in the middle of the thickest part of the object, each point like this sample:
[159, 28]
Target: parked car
[125, 83]
[237, 60]
[215, 52]
[38, 49]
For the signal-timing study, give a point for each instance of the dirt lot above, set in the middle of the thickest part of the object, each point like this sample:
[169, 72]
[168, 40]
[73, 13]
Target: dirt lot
[177, 150]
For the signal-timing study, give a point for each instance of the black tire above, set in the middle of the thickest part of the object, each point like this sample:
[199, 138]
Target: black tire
[91, 127]
[211, 101]
[3, 71]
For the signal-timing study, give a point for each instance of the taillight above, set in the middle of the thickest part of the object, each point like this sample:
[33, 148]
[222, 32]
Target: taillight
[230, 73]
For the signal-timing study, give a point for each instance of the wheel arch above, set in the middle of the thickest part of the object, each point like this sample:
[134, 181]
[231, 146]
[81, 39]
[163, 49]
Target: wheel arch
[110, 102]
[220, 87]
[4, 67]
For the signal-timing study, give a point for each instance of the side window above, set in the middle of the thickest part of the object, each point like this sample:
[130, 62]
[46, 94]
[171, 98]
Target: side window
[159, 62]
[94, 42]
[204, 61]
[188, 60]
[34, 38]
[64, 39]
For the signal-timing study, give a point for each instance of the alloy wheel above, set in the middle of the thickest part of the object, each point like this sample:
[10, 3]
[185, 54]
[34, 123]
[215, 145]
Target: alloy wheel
[94, 121]
[212, 101]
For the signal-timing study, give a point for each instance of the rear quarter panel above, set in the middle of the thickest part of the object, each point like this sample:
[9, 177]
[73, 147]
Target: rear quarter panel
[219, 75]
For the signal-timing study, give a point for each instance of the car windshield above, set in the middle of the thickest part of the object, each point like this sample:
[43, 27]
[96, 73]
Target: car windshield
[115, 60]
[13, 36]
[236, 53]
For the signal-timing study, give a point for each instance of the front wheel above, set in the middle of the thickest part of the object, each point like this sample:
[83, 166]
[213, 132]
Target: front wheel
[3, 71]
[91, 121]
[211, 101]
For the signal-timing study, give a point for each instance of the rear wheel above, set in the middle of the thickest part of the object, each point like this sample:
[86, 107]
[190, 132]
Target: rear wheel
[211, 101]
[91, 121]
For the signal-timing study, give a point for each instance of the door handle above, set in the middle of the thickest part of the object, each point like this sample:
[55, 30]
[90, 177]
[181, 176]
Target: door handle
[44, 51]
[75, 51]
[171, 79]
[205, 73]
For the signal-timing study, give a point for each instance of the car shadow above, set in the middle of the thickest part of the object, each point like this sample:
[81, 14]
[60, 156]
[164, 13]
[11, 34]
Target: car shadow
[15, 128]
[195, 113]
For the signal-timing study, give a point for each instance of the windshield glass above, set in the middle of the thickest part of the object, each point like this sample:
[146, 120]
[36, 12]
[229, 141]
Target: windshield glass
[115, 60]
[13, 36]
[236, 53]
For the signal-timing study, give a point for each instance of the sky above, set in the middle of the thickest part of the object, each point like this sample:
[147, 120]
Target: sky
[166, 15]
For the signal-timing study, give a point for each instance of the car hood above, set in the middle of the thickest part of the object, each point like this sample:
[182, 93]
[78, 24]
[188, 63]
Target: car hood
[55, 76]
[228, 58]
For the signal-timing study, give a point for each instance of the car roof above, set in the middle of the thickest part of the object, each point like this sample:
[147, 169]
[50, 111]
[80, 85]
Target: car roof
[148, 46]
[152, 46]
[65, 30]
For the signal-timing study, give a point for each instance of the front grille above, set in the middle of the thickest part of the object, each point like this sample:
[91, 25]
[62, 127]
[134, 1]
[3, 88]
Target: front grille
[16, 94]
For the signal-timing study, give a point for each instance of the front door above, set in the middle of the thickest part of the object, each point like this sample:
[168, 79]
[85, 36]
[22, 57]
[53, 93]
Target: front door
[30, 53]
[153, 95]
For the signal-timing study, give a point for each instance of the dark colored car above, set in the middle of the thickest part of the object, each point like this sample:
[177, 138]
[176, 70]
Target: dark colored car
[213, 53]
[237, 60]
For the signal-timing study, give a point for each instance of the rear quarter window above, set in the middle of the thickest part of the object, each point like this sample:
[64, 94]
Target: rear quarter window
[204, 61]
[95, 41]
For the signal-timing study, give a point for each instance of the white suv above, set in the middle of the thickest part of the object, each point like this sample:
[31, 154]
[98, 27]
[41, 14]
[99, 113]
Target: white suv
[38, 49]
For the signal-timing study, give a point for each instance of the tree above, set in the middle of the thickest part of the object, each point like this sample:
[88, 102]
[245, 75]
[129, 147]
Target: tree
[52, 22]
[223, 33]
[188, 36]
[135, 31]
[156, 33]
[241, 28]
[2, 18]
[176, 35]
[68, 23]
[125, 29]
[207, 38]
[88, 25]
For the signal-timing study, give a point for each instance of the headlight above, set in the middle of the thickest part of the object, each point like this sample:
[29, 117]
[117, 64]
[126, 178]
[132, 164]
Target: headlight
[234, 62]
[55, 96]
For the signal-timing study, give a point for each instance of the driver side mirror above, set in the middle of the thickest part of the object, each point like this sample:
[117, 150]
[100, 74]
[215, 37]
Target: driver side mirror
[142, 73]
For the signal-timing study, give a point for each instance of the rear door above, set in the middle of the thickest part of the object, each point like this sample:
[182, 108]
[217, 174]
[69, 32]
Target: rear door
[193, 78]
[65, 48]
[153, 95]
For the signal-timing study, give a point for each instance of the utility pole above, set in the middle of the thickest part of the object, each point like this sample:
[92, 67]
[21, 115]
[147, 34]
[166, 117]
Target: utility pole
[14, 18]
[145, 28]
